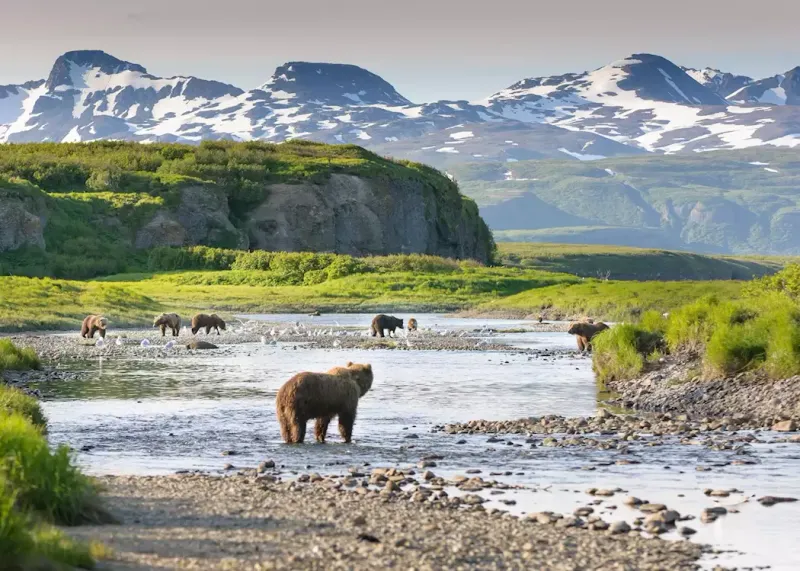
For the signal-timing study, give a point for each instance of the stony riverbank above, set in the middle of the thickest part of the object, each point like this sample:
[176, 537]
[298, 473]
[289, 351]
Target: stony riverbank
[676, 386]
[254, 522]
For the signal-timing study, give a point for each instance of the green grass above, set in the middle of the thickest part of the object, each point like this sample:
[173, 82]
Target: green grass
[728, 337]
[15, 359]
[46, 483]
[626, 263]
[610, 300]
[14, 401]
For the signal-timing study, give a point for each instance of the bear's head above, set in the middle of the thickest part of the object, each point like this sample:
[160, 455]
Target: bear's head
[579, 328]
[398, 322]
[218, 320]
[102, 322]
[160, 319]
[362, 375]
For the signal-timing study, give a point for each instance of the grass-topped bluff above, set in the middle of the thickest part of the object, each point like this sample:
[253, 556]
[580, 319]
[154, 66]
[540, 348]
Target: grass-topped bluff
[82, 210]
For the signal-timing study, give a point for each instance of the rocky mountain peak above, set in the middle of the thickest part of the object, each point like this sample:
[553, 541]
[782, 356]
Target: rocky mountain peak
[331, 84]
[67, 65]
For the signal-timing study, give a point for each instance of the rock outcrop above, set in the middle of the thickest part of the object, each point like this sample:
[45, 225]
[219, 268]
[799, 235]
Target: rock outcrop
[358, 216]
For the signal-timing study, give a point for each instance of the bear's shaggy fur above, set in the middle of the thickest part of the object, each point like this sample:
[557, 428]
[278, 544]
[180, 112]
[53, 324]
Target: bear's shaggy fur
[382, 322]
[207, 322]
[171, 320]
[584, 332]
[322, 396]
[412, 324]
[92, 324]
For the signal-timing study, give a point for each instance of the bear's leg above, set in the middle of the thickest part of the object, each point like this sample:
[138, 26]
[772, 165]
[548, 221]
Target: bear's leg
[208, 330]
[286, 427]
[391, 332]
[102, 333]
[346, 422]
[380, 331]
[92, 332]
[217, 328]
[176, 331]
[321, 428]
[299, 429]
[163, 330]
[581, 345]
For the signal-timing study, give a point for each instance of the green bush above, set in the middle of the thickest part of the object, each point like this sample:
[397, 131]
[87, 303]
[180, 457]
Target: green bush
[734, 349]
[191, 258]
[417, 263]
[619, 353]
[15, 359]
[783, 345]
[46, 482]
[785, 282]
[14, 401]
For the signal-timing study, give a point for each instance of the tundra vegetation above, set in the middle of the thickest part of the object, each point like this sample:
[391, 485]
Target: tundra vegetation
[39, 487]
[759, 333]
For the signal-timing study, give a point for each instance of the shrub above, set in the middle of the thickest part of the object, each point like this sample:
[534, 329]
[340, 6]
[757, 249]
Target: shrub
[620, 352]
[785, 282]
[15, 359]
[783, 345]
[45, 482]
[14, 401]
[415, 263]
[192, 258]
[691, 326]
[734, 349]
[653, 321]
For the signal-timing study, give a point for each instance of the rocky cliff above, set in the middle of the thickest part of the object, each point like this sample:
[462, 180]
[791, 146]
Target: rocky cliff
[377, 207]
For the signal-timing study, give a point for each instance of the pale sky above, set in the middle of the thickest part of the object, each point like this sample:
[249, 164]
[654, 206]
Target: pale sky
[428, 49]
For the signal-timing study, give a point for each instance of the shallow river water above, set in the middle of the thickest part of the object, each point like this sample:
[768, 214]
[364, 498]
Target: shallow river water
[161, 415]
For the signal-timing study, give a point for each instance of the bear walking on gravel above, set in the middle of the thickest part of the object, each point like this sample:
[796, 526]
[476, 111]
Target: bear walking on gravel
[93, 324]
[584, 332]
[171, 320]
[382, 322]
[412, 324]
[207, 322]
[322, 396]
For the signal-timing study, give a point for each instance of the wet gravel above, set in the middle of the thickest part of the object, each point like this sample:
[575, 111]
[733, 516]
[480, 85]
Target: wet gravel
[254, 521]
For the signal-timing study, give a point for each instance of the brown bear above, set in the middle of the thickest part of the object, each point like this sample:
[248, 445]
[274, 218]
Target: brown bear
[171, 320]
[412, 324]
[209, 322]
[92, 324]
[382, 322]
[584, 332]
[322, 396]
[195, 344]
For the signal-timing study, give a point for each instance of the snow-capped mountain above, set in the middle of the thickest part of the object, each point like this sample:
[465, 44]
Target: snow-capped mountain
[647, 102]
[781, 89]
[720, 82]
[638, 104]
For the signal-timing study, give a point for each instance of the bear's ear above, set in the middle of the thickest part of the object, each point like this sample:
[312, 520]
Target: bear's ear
[349, 363]
[369, 366]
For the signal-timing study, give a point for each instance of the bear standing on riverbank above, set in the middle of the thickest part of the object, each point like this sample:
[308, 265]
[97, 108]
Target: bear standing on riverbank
[171, 320]
[584, 332]
[209, 322]
[382, 322]
[412, 324]
[322, 396]
[92, 324]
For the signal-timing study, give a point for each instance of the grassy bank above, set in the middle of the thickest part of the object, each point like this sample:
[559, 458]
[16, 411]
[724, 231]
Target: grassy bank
[39, 487]
[609, 300]
[624, 263]
[759, 333]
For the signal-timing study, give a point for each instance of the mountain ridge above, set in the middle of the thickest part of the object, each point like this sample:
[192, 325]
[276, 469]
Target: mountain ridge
[642, 103]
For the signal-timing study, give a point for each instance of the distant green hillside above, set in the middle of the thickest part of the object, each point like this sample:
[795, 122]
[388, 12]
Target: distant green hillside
[741, 202]
[625, 263]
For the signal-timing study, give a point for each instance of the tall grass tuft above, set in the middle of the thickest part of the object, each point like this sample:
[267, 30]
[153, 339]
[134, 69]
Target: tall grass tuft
[45, 482]
[15, 359]
[13, 401]
[620, 352]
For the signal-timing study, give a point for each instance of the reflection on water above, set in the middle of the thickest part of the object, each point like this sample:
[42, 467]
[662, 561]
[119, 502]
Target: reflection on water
[156, 415]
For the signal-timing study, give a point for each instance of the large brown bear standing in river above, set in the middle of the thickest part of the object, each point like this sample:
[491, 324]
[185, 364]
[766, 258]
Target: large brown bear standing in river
[382, 322]
[171, 320]
[322, 396]
[584, 332]
[209, 322]
[92, 324]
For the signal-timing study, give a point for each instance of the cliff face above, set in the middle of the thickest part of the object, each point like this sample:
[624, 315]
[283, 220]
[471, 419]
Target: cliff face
[354, 215]
[344, 213]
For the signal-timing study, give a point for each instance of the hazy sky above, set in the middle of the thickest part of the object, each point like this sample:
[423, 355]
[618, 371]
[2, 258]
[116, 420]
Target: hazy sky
[428, 49]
